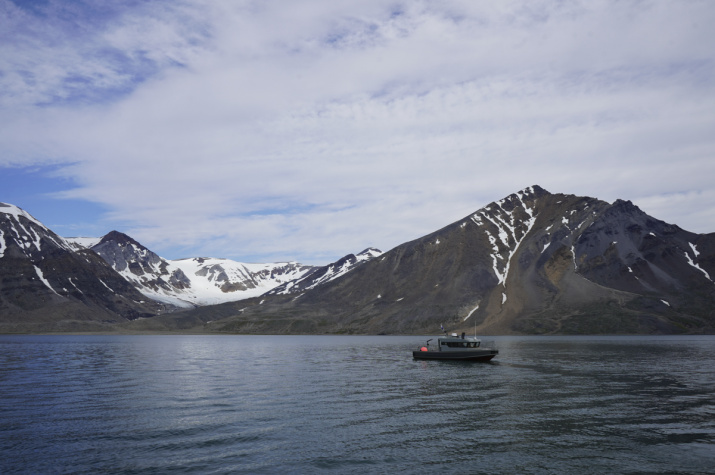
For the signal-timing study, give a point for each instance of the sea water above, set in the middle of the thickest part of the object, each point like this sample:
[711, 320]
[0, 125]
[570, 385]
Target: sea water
[349, 404]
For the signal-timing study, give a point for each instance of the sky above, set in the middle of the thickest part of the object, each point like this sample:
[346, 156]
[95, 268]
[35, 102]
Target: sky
[266, 131]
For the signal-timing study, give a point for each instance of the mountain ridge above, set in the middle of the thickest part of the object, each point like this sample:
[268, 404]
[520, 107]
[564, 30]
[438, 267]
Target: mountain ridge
[191, 282]
[531, 263]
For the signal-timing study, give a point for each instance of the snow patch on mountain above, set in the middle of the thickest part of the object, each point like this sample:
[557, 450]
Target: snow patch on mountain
[216, 280]
[16, 213]
[41, 276]
[694, 264]
[506, 231]
[321, 275]
[342, 267]
[471, 312]
[82, 242]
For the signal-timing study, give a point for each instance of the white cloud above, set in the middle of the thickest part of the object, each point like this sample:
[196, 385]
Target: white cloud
[306, 130]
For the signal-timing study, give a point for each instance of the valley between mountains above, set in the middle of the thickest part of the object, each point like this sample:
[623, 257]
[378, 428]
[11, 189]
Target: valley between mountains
[533, 262]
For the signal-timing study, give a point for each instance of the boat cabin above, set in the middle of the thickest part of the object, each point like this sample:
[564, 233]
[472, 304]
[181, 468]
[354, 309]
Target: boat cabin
[455, 343]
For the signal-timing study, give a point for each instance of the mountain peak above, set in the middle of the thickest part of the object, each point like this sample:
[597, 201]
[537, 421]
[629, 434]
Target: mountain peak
[25, 234]
[118, 237]
[625, 205]
[17, 212]
[369, 253]
[535, 190]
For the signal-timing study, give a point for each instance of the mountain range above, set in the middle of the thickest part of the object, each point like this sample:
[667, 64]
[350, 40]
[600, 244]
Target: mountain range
[531, 263]
[187, 283]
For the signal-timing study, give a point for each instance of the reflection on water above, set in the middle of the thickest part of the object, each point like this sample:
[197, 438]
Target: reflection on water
[300, 404]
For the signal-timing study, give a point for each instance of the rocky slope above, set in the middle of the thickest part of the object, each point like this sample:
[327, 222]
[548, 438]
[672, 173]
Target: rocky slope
[533, 262]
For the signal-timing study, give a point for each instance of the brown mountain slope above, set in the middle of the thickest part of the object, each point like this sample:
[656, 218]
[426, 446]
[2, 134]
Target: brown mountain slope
[534, 262]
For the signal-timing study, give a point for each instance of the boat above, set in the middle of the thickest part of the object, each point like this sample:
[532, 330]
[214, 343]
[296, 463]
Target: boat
[454, 347]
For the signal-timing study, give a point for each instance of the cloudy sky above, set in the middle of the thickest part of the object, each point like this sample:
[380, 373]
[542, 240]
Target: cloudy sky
[305, 130]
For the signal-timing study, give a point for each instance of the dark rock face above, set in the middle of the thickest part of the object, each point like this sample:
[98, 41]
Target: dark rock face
[145, 269]
[533, 262]
[43, 279]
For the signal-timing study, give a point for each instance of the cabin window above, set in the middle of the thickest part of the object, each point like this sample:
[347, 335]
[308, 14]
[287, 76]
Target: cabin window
[460, 344]
[455, 344]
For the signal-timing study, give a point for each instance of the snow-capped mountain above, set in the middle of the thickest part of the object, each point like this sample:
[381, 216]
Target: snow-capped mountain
[22, 233]
[533, 262]
[189, 282]
[78, 243]
[43, 279]
[216, 280]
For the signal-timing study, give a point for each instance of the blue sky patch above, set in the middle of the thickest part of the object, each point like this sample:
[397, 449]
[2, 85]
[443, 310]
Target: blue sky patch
[34, 189]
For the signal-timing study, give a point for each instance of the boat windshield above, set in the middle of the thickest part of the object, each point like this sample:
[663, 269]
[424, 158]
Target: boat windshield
[460, 344]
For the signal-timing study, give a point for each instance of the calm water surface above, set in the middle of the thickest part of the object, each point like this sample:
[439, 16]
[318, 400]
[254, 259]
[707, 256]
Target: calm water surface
[308, 404]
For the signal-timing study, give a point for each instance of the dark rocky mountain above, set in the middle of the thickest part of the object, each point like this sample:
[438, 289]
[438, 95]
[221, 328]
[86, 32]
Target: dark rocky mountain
[46, 285]
[140, 266]
[533, 262]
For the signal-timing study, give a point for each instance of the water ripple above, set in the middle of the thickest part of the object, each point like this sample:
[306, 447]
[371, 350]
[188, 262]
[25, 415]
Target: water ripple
[209, 404]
